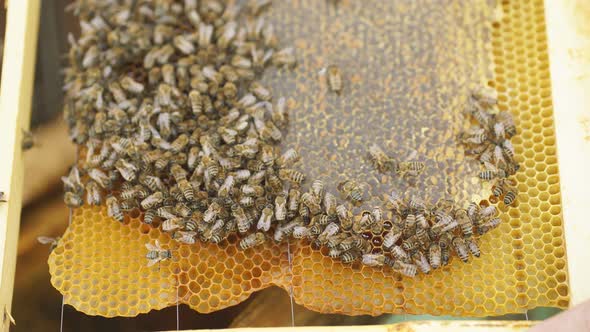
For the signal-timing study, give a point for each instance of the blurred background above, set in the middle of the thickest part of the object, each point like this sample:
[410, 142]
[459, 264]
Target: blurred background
[36, 304]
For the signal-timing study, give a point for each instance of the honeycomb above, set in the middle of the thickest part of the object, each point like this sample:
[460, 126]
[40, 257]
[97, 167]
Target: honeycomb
[100, 264]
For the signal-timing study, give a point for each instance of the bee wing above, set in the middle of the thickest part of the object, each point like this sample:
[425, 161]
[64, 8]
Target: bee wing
[151, 247]
[45, 239]
[412, 155]
[490, 166]
[151, 262]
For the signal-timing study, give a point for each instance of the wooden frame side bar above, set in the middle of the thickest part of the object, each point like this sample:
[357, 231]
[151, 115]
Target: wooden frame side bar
[568, 31]
[22, 21]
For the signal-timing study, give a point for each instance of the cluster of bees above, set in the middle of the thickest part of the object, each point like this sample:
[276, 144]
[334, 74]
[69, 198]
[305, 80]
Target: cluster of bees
[164, 101]
[489, 142]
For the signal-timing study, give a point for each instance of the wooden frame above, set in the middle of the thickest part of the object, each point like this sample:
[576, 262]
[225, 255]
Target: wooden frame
[568, 31]
[22, 20]
[569, 49]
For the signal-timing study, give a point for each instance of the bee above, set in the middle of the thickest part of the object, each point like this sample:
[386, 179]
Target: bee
[394, 202]
[421, 262]
[152, 201]
[156, 254]
[242, 220]
[172, 224]
[352, 242]
[113, 208]
[293, 204]
[212, 212]
[482, 116]
[444, 226]
[489, 175]
[365, 222]
[179, 143]
[508, 123]
[407, 269]
[148, 217]
[260, 91]
[334, 253]
[473, 211]
[499, 130]
[291, 175]
[476, 138]
[410, 222]
[267, 155]
[334, 240]
[488, 225]
[289, 157]
[422, 235]
[185, 237]
[284, 57]
[279, 117]
[73, 200]
[411, 168]
[488, 211]
[411, 244]
[183, 210]
[246, 201]
[215, 229]
[265, 219]
[330, 204]
[196, 102]
[28, 140]
[391, 238]
[100, 177]
[126, 169]
[486, 96]
[228, 135]
[131, 85]
[317, 189]
[465, 223]
[286, 229]
[252, 190]
[334, 78]
[280, 208]
[242, 175]
[435, 255]
[445, 246]
[330, 230]
[320, 219]
[380, 159]
[52, 241]
[311, 203]
[184, 44]
[473, 248]
[351, 190]
[350, 256]
[421, 221]
[499, 188]
[344, 216]
[301, 232]
[93, 194]
[399, 254]
[373, 259]
[460, 248]
[508, 149]
[128, 205]
[226, 187]
[166, 212]
[304, 213]
[252, 240]
[510, 196]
